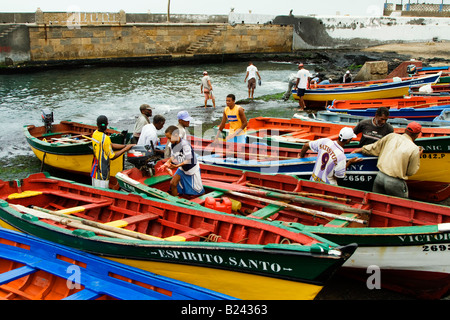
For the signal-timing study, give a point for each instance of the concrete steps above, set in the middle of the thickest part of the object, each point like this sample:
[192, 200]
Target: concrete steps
[11, 29]
[206, 40]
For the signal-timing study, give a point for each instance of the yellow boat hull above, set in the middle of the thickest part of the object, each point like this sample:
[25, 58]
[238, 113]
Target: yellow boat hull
[433, 167]
[381, 94]
[240, 285]
[80, 164]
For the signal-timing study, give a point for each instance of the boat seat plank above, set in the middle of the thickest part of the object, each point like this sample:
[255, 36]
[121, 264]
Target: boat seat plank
[74, 196]
[85, 207]
[83, 295]
[215, 177]
[157, 179]
[16, 274]
[265, 212]
[213, 194]
[190, 235]
[128, 212]
[338, 223]
[132, 220]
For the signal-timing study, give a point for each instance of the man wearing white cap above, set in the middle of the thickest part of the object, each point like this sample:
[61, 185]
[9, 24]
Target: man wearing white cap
[206, 89]
[347, 77]
[184, 120]
[331, 161]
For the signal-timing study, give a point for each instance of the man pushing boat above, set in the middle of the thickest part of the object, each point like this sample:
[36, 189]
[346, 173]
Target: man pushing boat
[187, 178]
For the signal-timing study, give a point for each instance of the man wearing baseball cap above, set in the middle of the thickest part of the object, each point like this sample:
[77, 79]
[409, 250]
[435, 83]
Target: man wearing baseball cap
[184, 120]
[331, 161]
[398, 159]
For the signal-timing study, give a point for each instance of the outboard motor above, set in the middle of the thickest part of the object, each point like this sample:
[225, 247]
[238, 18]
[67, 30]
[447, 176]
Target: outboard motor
[144, 158]
[411, 70]
[47, 118]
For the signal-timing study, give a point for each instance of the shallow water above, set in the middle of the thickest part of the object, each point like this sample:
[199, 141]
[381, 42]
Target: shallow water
[83, 94]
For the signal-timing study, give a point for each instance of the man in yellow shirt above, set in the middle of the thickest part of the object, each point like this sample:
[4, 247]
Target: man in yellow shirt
[235, 115]
[398, 159]
[103, 153]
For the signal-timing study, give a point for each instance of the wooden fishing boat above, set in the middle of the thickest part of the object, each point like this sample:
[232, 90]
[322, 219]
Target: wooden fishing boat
[406, 239]
[62, 146]
[293, 133]
[350, 119]
[380, 81]
[433, 177]
[362, 91]
[236, 256]
[36, 269]
[421, 114]
[406, 102]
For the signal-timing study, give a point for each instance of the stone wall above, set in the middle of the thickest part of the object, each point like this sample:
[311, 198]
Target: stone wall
[141, 40]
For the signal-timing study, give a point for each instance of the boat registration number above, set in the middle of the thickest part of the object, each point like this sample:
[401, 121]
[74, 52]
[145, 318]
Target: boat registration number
[435, 247]
[357, 178]
[433, 155]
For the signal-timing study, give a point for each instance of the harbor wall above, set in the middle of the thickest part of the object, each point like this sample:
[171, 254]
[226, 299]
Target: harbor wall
[55, 42]
[76, 36]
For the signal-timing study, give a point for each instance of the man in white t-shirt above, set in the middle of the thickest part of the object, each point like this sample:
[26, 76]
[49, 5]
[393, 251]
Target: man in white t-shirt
[303, 78]
[149, 133]
[252, 72]
[331, 161]
[206, 89]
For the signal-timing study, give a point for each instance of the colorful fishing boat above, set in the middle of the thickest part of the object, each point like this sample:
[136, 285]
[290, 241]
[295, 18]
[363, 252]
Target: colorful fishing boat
[293, 133]
[430, 182]
[421, 114]
[236, 256]
[66, 146]
[406, 102]
[352, 120]
[36, 269]
[407, 240]
[362, 91]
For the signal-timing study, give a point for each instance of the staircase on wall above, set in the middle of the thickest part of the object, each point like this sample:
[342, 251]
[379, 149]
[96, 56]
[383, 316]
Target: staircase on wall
[9, 30]
[206, 40]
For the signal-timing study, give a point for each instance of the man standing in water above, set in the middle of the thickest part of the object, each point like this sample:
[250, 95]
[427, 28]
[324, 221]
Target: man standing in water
[235, 115]
[104, 154]
[252, 71]
[206, 89]
[303, 78]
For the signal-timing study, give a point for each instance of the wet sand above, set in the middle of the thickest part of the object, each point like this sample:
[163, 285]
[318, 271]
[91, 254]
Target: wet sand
[418, 50]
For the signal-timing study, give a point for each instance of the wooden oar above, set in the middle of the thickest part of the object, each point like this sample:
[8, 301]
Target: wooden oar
[278, 195]
[300, 209]
[318, 195]
[81, 223]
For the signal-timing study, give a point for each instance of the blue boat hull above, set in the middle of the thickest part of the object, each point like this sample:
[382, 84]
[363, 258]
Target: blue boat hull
[90, 277]
[359, 175]
[420, 114]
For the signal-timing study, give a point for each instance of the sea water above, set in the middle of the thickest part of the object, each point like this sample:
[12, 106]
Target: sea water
[82, 94]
